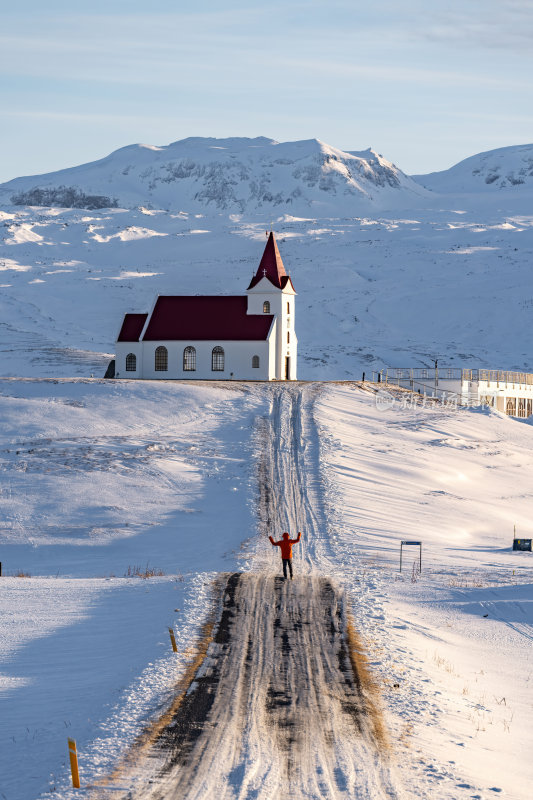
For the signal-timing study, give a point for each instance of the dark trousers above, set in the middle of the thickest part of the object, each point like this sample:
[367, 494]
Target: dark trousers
[287, 562]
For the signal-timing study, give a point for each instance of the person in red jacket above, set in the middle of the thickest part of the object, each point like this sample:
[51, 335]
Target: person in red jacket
[286, 550]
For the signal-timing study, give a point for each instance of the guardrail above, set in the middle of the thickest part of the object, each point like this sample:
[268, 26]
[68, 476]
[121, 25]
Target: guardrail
[416, 374]
[423, 373]
[501, 376]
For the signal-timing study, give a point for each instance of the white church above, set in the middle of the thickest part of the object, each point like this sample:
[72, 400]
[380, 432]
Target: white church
[249, 337]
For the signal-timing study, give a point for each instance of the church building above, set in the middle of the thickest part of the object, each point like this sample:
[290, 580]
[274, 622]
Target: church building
[249, 337]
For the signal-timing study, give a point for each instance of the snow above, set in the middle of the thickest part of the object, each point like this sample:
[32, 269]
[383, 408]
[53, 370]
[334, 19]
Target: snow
[102, 478]
[457, 640]
[507, 168]
[373, 291]
[235, 174]
[99, 478]
[130, 234]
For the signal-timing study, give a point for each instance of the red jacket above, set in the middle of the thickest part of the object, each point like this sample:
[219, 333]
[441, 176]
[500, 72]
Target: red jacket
[286, 544]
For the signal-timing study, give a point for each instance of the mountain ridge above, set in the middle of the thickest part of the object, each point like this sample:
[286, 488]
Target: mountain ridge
[235, 174]
[503, 168]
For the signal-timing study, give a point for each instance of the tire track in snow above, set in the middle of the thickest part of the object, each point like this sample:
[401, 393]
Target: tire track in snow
[277, 708]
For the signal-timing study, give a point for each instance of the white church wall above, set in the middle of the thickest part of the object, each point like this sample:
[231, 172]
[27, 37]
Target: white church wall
[261, 292]
[282, 305]
[272, 344]
[123, 349]
[237, 360]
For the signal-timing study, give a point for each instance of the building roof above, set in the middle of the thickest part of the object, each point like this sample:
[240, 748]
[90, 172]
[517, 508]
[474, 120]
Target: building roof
[205, 318]
[271, 266]
[132, 327]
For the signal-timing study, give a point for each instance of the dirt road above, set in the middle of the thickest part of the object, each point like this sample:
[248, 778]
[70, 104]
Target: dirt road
[278, 708]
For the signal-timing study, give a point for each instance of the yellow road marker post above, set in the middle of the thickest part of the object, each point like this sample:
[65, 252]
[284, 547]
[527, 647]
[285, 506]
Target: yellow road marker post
[74, 763]
[173, 640]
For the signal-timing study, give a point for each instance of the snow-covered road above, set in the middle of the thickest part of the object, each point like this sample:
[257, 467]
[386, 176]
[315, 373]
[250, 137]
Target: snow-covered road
[99, 475]
[281, 705]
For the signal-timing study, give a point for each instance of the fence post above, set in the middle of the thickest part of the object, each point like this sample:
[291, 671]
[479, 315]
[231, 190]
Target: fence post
[173, 640]
[74, 763]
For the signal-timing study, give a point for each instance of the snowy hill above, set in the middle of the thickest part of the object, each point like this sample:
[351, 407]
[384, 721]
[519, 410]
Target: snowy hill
[377, 287]
[236, 175]
[505, 168]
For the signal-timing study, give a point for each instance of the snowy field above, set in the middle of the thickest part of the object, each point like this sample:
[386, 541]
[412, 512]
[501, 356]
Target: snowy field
[450, 280]
[99, 477]
[452, 646]
[103, 480]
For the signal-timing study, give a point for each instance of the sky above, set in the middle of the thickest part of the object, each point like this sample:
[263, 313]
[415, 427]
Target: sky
[425, 84]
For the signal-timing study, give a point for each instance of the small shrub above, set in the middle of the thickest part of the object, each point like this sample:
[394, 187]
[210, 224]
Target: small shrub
[143, 572]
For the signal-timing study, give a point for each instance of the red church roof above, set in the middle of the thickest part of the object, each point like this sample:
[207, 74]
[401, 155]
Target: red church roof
[271, 266]
[201, 318]
[132, 327]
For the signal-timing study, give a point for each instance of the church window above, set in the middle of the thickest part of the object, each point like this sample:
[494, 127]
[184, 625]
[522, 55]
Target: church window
[288, 308]
[266, 307]
[189, 359]
[288, 337]
[131, 362]
[255, 362]
[217, 359]
[161, 359]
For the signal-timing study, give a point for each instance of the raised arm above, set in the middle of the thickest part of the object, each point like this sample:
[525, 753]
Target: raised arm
[295, 541]
[272, 540]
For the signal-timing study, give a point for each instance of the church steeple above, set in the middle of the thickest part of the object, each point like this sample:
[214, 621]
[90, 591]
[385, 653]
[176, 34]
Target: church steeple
[271, 266]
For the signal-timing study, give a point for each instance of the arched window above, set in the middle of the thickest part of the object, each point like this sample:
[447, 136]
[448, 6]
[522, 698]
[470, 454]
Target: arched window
[255, 362]
[288, 337]
[131, 362]
[288, 308]
[161, 359]
[189, 359]
[266, 307]
[510, 406]
[217, 359]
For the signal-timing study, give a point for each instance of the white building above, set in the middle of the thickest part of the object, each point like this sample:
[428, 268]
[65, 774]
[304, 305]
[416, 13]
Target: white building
[509, 392]
[196, 337]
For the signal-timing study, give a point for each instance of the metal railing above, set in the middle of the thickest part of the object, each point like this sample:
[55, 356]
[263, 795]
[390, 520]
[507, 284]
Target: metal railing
[423, 373]
[503, 376]
[416, 374]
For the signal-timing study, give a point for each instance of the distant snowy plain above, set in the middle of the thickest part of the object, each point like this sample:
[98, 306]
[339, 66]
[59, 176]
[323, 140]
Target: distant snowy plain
[387, 272]
[101, 477]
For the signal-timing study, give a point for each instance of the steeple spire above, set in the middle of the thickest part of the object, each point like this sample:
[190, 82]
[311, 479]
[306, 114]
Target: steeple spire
[271, 265]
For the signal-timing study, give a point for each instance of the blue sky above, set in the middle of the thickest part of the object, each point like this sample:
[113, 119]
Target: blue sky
[425, 86]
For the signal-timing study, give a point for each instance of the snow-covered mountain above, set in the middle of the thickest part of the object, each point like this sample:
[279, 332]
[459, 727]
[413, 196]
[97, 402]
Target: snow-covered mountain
[379, 286]
[232, 175]
[505, 168]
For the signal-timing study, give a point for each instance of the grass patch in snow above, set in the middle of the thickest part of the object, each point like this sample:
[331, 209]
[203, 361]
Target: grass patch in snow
[143, 572]
[370, 689]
